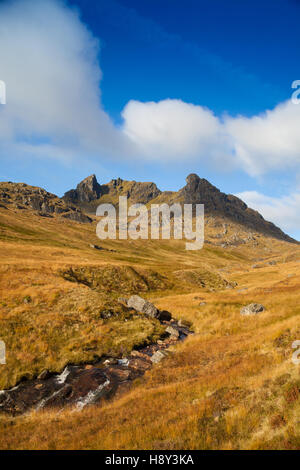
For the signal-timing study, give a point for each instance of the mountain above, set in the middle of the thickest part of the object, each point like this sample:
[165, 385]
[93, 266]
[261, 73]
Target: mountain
[65, 320]
[199, 190]
[79, 204]
[25, 197]
[89, 193]
[87, 190]
[226, 207]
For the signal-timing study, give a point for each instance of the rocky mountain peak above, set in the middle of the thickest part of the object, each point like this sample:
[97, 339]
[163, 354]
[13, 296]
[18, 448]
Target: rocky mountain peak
[197, 190]
[22, 196]
[87, 190]
[200, 191]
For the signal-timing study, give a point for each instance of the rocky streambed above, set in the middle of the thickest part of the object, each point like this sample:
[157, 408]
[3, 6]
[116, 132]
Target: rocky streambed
[85, 384]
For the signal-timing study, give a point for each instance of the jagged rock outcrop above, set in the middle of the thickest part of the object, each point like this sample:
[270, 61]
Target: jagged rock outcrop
[87, 190]
[219, 207]
[200, 191]
[23, 196]
[140, 192]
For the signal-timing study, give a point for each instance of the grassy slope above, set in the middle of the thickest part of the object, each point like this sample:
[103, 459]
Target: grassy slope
[231, 385]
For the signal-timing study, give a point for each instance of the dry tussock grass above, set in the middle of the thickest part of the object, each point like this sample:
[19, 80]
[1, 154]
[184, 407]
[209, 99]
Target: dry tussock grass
[231, 385]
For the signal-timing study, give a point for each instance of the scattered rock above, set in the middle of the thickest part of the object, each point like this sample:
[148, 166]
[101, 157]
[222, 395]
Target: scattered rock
[158, 356]
[123, 362]
[143, 306]
[252, 309]
[202, 304]
[172, 332]
[139, 355]
[100, 248]
[85, 384]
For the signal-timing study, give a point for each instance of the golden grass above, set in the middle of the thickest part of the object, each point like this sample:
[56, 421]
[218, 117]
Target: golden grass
[231, 385]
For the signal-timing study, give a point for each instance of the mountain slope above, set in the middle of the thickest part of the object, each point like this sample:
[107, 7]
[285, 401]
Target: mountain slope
[228, 208]
[24, 197]
[232, 385]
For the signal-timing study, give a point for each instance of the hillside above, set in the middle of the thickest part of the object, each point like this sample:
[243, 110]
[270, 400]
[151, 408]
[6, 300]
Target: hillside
[21, 196]
[89, 194]
[229, 385]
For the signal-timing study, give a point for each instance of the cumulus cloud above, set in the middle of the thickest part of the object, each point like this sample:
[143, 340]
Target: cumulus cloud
[172, 129]
[282, 211]
[268, 141]
[49, 61]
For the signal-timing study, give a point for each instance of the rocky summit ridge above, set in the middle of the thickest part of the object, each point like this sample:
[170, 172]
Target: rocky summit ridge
[89, 194]
[24, 197]
[80, 204]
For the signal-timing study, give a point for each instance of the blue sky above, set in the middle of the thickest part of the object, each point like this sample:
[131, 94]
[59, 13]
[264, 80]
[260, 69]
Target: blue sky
[153, 90]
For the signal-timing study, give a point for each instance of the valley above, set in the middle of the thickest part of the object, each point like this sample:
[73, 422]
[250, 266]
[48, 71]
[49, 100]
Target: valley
[231, 384]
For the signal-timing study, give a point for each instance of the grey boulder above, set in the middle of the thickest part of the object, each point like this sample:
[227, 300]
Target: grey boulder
[158, 356]
[143, 306]
[252, 309]
[172, 332]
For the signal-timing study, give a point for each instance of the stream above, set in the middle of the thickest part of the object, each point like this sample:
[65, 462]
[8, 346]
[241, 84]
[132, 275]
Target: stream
[85, 384]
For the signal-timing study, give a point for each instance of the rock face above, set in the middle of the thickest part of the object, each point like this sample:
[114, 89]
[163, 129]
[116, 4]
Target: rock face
[143, 306]
[87, 190]
[252, 309]
[89, 194]
[90, 190]
[22, 196]
[135, 191]
[200, 191]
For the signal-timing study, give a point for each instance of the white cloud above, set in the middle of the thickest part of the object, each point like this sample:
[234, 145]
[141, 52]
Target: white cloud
[49, 61]
[268, 141]
[172, 129]
[283, 211]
